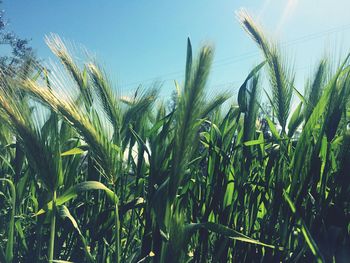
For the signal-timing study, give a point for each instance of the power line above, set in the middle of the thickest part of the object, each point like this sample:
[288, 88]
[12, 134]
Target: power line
[238, 58]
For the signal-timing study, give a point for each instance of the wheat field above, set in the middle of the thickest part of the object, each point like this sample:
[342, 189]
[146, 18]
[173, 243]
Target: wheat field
[88, 175]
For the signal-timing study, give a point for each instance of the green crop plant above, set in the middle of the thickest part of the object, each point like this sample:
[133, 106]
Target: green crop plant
[89, 175]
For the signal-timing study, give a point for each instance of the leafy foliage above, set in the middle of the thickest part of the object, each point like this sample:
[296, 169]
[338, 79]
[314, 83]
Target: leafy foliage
[90, 176]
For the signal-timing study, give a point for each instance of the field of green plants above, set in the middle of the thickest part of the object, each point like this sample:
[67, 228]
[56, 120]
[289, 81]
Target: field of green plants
[88, 175]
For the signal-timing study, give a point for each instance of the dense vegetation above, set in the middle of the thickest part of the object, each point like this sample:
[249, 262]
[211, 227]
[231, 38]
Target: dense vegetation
[15, 50]
[90, 176]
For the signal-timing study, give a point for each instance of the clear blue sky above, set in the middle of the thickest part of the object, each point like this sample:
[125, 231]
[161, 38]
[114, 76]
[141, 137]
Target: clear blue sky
[142, 41]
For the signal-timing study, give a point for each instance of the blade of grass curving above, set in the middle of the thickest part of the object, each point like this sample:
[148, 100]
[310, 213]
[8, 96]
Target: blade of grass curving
[73, 192]
[190, 229]
[306, 233]
[242, 93]
[214, 104]
[64, 212]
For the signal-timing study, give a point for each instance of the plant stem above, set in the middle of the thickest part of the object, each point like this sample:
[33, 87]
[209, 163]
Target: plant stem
[52, 228]
[117, 239]
[117, 226]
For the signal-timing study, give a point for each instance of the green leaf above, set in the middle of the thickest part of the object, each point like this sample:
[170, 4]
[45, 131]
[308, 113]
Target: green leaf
[20, 232]
[225, 231]
[301, 97]
[254, 142]
[76, 150]
[75, 190]
[64, 213]
[295, 120]
[242, 98]
[273, 129]
[305, 231]
[8, 164]
[140, 141]
[242, 93]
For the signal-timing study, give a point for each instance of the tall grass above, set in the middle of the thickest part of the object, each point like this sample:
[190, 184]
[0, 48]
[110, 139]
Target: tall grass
[87, 175]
